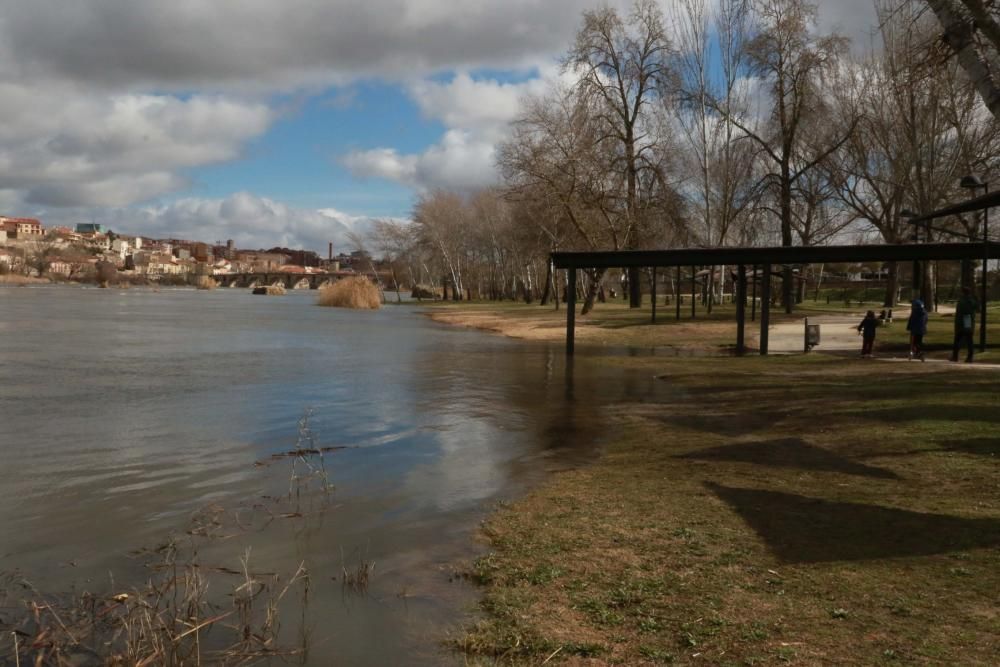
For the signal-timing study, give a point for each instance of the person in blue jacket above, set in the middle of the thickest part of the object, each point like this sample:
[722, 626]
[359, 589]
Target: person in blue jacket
[867, 329]
[917, 326]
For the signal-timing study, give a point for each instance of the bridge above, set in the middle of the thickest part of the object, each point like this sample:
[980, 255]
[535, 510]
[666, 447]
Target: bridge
[286, 280]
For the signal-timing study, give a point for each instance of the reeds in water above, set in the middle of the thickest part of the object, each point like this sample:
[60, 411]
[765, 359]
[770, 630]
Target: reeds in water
[354, 292]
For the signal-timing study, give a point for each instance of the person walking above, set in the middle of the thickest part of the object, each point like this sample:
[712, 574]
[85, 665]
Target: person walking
[917, 326]
[965, 323]
[867, 329]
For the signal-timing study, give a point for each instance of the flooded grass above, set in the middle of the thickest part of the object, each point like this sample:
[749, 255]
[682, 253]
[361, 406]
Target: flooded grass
[186, 611]
[802, 510]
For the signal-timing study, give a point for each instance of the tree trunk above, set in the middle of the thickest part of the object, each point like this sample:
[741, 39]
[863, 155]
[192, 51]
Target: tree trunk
[548, 284]
[593, 282]
[634, 289]
[961, 37]
[891, 286]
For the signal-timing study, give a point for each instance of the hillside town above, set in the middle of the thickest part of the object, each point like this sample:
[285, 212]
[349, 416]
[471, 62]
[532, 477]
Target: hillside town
[29, 248]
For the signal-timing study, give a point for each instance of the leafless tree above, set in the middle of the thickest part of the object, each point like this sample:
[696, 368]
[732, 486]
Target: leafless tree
[622, 65]
[972, 32]
[793, 61]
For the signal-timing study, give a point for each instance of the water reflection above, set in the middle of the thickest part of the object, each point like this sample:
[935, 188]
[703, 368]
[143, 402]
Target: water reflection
[123, 413]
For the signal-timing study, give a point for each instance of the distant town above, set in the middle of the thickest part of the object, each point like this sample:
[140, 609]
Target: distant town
[59, 253]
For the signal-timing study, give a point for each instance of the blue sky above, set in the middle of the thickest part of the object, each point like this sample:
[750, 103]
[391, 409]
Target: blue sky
[298, 160]
[272, 123]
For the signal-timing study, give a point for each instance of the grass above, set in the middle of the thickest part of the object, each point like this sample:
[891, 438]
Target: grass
[800, 510]
[354, 292]
[614, 324]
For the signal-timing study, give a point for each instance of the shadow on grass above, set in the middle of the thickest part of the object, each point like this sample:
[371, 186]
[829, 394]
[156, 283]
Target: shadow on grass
[725, 424]
[988, 447]
[925, 412]
[789, 453]
[799, 529]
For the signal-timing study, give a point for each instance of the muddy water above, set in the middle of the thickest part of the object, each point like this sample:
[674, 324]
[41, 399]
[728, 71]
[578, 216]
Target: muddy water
[125, 413]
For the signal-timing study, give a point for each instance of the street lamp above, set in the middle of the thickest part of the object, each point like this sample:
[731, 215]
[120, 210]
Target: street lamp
[973, 182]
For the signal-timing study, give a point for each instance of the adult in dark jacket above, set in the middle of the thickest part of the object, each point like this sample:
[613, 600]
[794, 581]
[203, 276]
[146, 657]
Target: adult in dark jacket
[965, 323]
[917, 326]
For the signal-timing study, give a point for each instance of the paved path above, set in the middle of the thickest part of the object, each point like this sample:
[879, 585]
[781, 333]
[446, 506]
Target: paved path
[837, 333]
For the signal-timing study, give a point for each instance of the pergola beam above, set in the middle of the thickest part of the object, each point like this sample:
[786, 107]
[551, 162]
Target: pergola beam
[776, 255]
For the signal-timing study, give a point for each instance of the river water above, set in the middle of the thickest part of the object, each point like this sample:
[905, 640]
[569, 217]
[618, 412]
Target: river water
[123, 414]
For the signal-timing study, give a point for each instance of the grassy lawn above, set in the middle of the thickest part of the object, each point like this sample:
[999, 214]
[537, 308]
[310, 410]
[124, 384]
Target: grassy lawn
[800, 510]
[615, 324]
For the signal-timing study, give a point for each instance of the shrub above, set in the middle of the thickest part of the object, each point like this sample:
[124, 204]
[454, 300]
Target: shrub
[353, 292]
[206, 283]
[424, 292]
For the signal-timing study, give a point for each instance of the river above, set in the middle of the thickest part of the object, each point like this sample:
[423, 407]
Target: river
[123, 414]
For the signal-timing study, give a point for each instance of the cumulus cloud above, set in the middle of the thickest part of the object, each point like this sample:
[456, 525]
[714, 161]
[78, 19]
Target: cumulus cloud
[249, 220]
[476, 113]
[64, 145]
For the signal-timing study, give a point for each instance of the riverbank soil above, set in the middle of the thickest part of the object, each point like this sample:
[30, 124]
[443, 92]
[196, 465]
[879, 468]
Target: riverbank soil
[807, 510]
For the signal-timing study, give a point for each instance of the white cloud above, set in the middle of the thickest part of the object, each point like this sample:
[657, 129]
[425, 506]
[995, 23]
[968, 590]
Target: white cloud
[476, 113]
[468, 103]
[64, 145]
[462, 160]
[249, 220]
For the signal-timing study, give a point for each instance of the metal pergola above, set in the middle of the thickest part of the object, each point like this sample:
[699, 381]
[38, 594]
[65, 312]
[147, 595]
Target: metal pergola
[765, 258]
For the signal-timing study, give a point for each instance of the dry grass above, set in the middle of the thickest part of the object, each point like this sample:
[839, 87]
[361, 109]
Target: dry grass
[188, 611]
[206, 283]
[18, 279]
[354, 292]
[778, 511]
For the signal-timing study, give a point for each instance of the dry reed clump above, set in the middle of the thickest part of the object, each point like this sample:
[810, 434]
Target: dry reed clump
[18, 279]
[355, 292]
[173, 618]
[206, 283]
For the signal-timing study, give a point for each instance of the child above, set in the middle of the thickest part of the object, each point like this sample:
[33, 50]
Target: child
[917, 326]
[867, 329]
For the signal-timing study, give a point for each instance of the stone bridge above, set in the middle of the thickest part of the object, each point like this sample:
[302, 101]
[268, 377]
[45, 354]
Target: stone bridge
[287, 280]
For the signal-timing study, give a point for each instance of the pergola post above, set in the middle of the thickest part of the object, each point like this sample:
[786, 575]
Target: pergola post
[753, 299]
[741, 308]
[652, 294]
[570, 312]
[677, 295]
[694, 292]
[765, 308]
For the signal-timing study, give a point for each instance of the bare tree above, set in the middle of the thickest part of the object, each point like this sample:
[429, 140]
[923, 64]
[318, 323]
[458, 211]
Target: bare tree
[972, 31]
[793, 61]
[725, 181]
[622, 65]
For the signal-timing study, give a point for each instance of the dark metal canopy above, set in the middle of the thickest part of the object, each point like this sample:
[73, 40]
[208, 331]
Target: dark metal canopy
[978, 204]
[776, 255]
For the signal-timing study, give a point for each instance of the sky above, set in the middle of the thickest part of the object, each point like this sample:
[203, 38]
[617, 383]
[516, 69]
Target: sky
[291, 123]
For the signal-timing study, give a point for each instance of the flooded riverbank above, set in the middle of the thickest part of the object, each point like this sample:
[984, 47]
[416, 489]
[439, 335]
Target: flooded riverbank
[124, 413]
